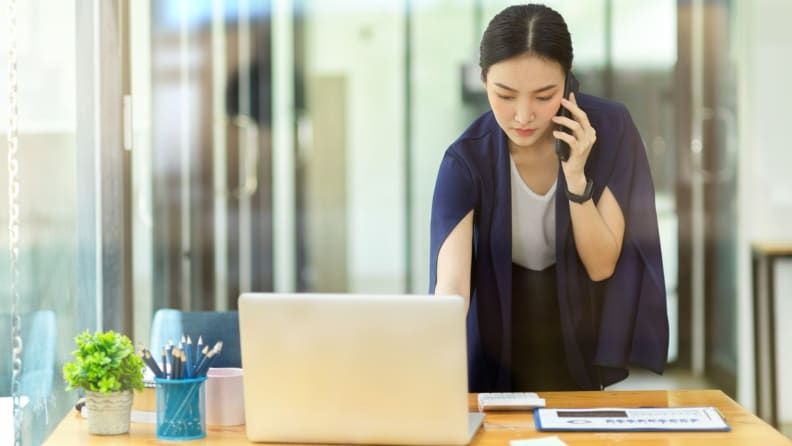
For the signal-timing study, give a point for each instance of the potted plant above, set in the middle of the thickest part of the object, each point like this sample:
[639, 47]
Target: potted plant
[106, 367]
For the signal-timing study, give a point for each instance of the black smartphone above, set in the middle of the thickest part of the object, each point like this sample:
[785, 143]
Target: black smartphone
[570, 86]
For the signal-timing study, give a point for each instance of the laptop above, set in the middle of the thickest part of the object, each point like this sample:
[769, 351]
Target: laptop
[355, 368]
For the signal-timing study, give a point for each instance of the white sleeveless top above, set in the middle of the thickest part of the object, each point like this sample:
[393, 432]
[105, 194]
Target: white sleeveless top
[533, 224]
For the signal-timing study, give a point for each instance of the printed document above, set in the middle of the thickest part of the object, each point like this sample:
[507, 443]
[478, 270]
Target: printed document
[631, 419]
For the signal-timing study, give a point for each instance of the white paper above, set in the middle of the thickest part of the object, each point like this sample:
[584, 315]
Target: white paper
[544, 441]
[135, 416]
[626, 419]
[7, 418]
[143, 416]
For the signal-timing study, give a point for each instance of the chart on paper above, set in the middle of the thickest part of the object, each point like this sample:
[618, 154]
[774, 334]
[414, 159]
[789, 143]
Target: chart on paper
[631, 419]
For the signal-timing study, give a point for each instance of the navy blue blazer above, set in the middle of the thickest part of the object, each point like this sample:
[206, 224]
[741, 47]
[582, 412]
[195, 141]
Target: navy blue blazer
[606, 325]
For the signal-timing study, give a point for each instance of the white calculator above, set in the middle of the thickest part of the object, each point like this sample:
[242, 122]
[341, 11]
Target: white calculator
[509, 401]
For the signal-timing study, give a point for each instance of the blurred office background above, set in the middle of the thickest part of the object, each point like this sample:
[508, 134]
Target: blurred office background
[175, 153]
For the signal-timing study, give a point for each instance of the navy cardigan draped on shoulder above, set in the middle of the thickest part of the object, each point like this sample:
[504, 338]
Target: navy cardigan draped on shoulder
[606, 325]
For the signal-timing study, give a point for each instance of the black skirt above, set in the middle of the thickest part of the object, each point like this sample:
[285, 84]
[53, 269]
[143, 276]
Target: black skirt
[538, 359]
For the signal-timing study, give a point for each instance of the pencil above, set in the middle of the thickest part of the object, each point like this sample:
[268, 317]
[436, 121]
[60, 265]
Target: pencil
[151, 363]
[188, 357]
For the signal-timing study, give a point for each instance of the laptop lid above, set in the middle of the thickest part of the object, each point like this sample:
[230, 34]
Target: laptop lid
[354, 368]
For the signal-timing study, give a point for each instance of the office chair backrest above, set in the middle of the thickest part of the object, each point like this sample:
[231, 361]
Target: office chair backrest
[171, 324]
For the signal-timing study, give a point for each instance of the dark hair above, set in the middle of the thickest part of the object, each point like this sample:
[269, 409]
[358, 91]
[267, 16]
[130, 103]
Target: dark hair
[519, 29]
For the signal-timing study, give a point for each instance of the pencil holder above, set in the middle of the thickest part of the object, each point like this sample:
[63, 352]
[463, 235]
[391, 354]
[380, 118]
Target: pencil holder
[181, 409]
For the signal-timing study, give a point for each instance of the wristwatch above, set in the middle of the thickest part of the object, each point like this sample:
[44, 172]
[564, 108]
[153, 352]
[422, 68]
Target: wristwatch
[586, 193]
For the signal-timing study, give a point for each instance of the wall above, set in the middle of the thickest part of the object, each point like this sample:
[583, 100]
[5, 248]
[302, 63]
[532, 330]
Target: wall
[764, 197]
[443, 40]
[363, 43]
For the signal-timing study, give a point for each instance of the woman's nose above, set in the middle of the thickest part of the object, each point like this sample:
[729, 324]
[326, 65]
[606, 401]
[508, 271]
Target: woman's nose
[523, 114]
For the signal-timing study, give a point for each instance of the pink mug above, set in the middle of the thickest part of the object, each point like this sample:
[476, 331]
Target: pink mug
[225, 403]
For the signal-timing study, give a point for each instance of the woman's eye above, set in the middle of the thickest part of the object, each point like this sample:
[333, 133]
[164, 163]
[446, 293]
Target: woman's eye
[505, 98]
[544, 98]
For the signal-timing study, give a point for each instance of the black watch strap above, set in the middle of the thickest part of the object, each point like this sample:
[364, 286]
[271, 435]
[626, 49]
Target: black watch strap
[586, 193]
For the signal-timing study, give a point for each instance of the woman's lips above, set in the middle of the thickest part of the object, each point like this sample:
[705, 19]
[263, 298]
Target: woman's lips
[525, 132]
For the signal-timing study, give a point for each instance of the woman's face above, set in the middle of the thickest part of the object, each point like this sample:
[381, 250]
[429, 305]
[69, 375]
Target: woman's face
[524, 93]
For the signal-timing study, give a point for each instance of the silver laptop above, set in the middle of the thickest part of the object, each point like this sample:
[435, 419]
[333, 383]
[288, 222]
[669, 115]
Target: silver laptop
[355, 368]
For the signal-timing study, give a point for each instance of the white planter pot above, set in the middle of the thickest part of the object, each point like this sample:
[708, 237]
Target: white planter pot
[108, 414]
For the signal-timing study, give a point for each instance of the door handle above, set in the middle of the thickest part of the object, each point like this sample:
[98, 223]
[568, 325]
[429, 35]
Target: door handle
[727, 171]
[249, 155]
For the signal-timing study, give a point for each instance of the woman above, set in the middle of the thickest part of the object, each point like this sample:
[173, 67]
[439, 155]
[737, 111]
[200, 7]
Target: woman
[559, 261]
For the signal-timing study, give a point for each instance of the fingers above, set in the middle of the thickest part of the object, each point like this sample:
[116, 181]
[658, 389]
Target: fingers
[566, 137]
[569, 123]
[579, 133]
[579, 117]
[579, 125]
[578, 113]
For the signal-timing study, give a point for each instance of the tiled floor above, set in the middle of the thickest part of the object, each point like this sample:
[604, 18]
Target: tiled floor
[672, 379]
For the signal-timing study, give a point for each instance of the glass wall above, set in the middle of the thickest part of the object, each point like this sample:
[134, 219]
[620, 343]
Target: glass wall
[358, 99]
[46, 283]
[376, 93]
[642, 73]
[424, 56]
[407, 84]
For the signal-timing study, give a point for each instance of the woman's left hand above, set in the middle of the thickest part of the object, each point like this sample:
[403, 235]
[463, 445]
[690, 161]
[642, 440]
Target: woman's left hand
[580, 141]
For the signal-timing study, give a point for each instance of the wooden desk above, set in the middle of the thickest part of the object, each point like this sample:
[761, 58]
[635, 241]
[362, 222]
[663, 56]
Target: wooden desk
[499, 428]
[764, 255]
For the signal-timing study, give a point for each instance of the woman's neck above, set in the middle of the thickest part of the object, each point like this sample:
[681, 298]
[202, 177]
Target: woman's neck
[538, 153]
[537, 165]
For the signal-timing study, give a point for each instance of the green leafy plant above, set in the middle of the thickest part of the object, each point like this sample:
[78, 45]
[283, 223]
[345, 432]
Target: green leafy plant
[104, 362]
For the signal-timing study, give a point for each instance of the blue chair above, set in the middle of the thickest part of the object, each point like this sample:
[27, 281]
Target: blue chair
[171, 324]
[38, 333]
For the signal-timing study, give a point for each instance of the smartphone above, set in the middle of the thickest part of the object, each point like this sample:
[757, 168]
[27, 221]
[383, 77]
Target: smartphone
[570, 86]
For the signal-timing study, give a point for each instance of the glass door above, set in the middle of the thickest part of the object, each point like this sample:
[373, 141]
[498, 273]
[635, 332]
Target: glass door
[201, 169]
[706, 189]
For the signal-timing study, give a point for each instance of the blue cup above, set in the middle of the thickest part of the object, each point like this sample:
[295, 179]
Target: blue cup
[181, 409]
